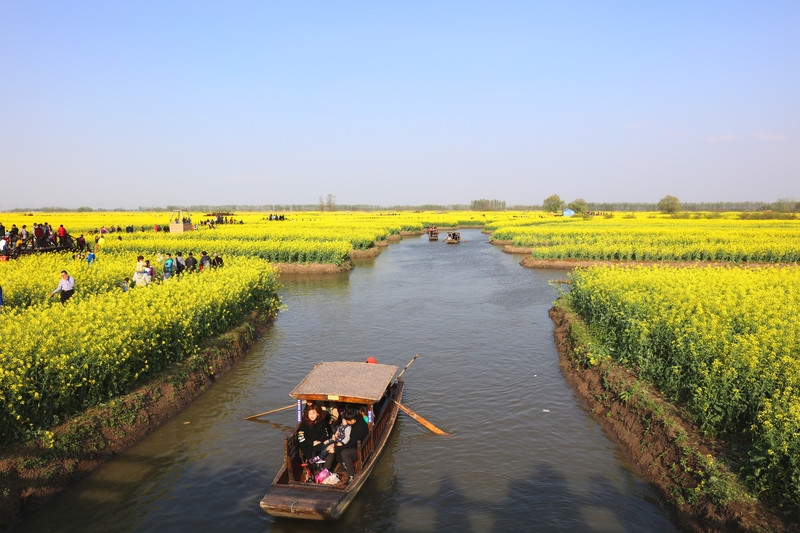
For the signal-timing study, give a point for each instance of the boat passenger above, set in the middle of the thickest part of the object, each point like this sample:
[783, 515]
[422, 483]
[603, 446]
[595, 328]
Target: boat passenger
[346, 453]
[342, 435]
[333, 413]
[313, 432]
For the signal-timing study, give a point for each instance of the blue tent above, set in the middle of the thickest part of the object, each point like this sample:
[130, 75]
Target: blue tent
[568, 212]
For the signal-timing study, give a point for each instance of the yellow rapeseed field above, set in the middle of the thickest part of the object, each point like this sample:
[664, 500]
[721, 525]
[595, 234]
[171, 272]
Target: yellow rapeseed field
[722, 341]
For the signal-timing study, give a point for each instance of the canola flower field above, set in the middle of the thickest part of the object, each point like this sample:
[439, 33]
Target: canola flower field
[58, 360]
[655, 238]
[722, 341]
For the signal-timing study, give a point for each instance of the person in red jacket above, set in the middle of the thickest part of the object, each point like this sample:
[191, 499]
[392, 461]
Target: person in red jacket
[62, 235]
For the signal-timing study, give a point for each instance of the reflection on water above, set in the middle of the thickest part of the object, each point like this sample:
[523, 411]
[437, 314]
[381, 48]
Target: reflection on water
[525, 455]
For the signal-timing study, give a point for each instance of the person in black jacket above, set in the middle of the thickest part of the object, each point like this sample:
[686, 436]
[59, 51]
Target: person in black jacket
[313, 432]
[191, 263]
[347, 452]
[205, 261]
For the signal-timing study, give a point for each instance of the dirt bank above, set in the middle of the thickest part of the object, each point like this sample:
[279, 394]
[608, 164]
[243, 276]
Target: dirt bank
[31, 474]
[665, 447]
[375, 251]
[312, 268]
[509, 248]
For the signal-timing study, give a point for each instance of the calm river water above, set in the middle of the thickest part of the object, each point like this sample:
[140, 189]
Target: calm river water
[525, 455]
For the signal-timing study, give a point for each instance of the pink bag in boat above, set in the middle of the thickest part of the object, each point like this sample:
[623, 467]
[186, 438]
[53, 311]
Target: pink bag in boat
[322, 475]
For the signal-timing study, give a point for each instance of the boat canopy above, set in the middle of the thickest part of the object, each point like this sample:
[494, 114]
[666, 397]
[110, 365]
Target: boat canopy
[346, 382]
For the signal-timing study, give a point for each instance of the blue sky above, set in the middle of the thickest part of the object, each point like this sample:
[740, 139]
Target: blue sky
[127, 104]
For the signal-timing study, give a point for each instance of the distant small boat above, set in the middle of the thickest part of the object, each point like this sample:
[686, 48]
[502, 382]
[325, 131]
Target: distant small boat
[453, 238]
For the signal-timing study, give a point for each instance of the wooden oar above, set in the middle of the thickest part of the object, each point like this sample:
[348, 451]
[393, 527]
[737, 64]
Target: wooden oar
[268, 412]
[406, 368]
[421, 420]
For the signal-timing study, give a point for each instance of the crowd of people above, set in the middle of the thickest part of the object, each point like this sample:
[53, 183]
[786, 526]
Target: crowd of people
[44, 237]
[220, 218]
[39, 236]
[329, 432]
[145, 273]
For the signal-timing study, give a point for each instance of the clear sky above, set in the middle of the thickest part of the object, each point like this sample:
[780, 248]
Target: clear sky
[127, 104]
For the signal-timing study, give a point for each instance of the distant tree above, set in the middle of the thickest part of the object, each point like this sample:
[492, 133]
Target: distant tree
[330, 202]
[488, 205]
[321, 204]
[669, 204]
[785, 205]
[579, 205]
[553, 204]
[85, 210]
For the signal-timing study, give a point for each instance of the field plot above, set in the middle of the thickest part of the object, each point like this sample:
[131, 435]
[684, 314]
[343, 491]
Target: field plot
[656, 239]
[723, 342]
[59, 359]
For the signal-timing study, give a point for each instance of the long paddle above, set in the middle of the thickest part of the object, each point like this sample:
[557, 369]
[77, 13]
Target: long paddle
[421, 420]
[406, 368]
[268, 412]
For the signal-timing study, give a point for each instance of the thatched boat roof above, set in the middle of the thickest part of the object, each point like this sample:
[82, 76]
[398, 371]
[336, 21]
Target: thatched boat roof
[345, 381]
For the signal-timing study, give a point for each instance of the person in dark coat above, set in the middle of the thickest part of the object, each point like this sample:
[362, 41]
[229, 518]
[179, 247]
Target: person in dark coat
[313, 432]
[346, 453]
[191, 263]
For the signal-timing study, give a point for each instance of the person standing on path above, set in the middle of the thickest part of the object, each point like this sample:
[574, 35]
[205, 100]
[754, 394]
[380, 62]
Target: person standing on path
[169, 266]
[205, 261]
[62, 235]
[141, 276]
[180, 264]
[66, 286]
[191, 263]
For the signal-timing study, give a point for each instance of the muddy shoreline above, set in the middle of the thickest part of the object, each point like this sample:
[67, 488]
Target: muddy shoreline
[658, 440]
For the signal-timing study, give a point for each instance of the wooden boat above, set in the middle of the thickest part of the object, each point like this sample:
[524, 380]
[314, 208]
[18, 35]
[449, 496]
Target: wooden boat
[453, 238]
[363, 384]
[433, 236]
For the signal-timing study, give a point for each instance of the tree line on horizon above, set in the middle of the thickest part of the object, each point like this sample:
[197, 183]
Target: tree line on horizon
[551, 204]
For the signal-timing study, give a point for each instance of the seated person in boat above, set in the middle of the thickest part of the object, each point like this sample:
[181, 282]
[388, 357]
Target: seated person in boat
[332, 414]
[313, 431]
[323, 410]
[340, 436]
[346, 452]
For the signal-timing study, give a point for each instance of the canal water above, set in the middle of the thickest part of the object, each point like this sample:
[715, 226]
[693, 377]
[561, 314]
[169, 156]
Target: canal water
[525, 455]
